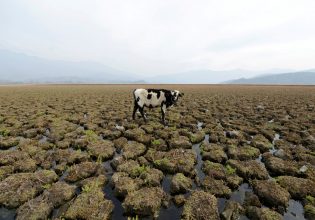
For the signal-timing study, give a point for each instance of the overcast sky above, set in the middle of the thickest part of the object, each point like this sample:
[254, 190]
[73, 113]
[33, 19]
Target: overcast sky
[164, 36]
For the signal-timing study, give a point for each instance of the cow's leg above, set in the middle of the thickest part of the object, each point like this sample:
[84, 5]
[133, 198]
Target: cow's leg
[135, 108]
[142, 113]
[163, 111]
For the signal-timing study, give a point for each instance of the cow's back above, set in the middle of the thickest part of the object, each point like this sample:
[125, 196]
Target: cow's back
[149, 97]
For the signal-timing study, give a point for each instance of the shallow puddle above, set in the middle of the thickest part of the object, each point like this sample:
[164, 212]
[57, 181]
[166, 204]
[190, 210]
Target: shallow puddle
[198, 166]
[166, 183]
[199, 125]
[273, 150]
[43, 139]
[239, 194]
[295, 211]
[170, 213]
[221, 204]
[7, 214]
[118, 212]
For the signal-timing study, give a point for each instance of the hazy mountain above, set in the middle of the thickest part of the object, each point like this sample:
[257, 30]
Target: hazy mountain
[21, 68]
[207, 76]
[17, 67]
[295, 78]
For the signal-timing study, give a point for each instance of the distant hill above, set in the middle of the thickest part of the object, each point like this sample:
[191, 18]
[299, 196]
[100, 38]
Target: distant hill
[21, 68]
[197, 76]
[207, 76]
[295, 78]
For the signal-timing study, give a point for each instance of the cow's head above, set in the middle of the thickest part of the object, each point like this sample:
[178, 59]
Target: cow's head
[175, 96]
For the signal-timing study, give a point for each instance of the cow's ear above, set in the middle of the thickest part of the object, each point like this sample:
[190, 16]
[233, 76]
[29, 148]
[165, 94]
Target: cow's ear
[181, 94]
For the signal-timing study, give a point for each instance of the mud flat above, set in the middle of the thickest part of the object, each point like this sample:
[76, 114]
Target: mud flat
[228, 152]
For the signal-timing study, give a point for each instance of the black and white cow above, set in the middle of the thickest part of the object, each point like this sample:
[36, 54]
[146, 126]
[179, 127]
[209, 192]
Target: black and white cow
[153, 98]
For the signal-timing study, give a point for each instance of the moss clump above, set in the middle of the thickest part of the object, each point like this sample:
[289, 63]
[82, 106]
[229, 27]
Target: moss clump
[4, 132]
[262, 213]
[299, 188]
[271, 193]
[101, 149]
[134, 134]
[173, 128]
[243, 152]
[133, 150]
[212, 165]
[138, 170]
[145, 201]
[230, 170]
[133, 218]
[181, 177]
[86, 188]
[262, 143]
[250, 152]
[48, 173]
[151, 177]
[215, 170]
[93, 182]
[193, 139]
[46, 186]
[91, 136]
[2, 172]
[81, 171]
[197, 137]
[41, 206]
[278, 166]
[309, 211]
[5, 171]
[180, 142]
[38, 208]
[28, 184]
[99, 159]
[216, 187]
[173, 161]
[90, 205]
[310, 199]
[309, 207]
[92, 185]
[249, 169]
[213, 152]
[129, 166]
[201, 205]
[8, 142]
[208, 166]
[125, 184]
[156, 142]
[162, 162]
[180, 183]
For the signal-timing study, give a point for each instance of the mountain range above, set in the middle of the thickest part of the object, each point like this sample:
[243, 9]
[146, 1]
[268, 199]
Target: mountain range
[207, 76]
[295, 78]
[22, 68]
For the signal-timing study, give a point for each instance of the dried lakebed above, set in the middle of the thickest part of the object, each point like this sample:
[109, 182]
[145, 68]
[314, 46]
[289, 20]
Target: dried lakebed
[228, 152]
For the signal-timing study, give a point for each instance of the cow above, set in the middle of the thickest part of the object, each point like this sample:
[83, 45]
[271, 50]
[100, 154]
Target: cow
[153, 98]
